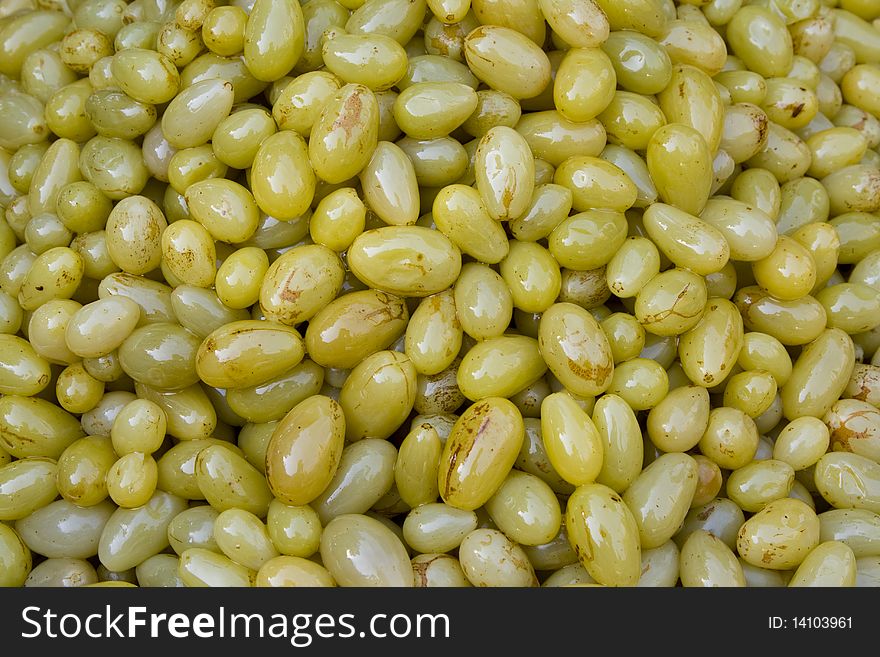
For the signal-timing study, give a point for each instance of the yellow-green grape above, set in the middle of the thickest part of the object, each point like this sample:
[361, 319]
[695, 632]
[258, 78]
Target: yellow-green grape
[500, 367]
[345, 134]
[225, 208]
[304, 451]
[596, 183]
[27, 33]
[709, 481]
[437, 527]
[573, 444]
[28, 485]
[292, 571]
[45, 231]
[374, 60]
[190, 14]
[416, 468]
[752, 392]
[460, 214]
[81, 48]
[484, 453]
[390, 186]
[282, 180]
[513, 509]
[78, 391]
[99, 420]
[139, 427]
[528, 400]
[685, 240]
[377, 258]
[388, 375]
[764, 352]
[132, 480]
[192, 116]
[505, 173]
[15, 556]
[115, 166]
[24, 372]
[848, 481]
[720, 517]
[12, 315]
[707, 562]
[364, 477]
[788, 272]
[301, 100]
[641, 382]
[120, 549]
[82, 208]
[239, 278]
[177, 467]
[338, 336]
[254, 440]
[759, 37]
[759, 483]
[622, 445]
[82, 470]
[507, 61]
[584, 84]
[678, 421]
[201, 567]
[661, 496]
[588, 288]
[438, 570]
[193, 528]
[807, 393]
[831, 563]
[605, 535]
[159, 570]
[434, 335]
[360, 533]
[692, 99]
[672, 302]
[179, 44]
[780, 536]
[55, 274]
[216, 467]
[680, 163]
[147, 76]
[223, 30]
[169, 344]
[635, 263]
[554, 138]
[58, 166]
[273, 38]
[21, 167]
[489, 558]
[696, 43]
[626, 337]
[63, 572]
[791, 322]
[294, 530]
[300, 283]
[731, 438]
[30, 426]
[243, 537]
[188, 166]
[850, 306]
[853, 427]
[238, 137]
[268, 402]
